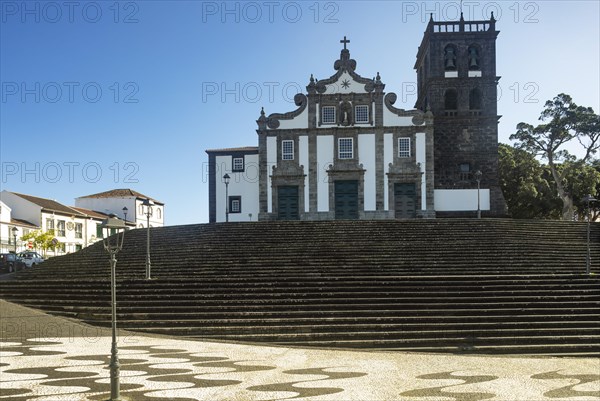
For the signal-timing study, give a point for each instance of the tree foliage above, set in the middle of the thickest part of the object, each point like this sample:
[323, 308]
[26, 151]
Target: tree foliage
[524, 183]
[42, 240]
[564, 123]
[530, 191]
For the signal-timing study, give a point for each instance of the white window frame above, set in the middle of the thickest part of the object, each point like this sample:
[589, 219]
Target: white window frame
[323, 115]
[61, 228]
[343, 152]
[289, 154]
[78, 230]
[235, 206]
[237, 164]
[404, 148]
[364, 112]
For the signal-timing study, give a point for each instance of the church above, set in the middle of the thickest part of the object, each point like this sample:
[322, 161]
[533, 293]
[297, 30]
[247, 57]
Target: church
[346, 152]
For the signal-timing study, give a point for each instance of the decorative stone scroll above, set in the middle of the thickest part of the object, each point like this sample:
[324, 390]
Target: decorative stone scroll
[272, 121]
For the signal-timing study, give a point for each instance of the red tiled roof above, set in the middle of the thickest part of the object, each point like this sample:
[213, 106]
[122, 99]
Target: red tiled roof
[121, 193]
[95, 214]
[48, 204]
[91, 213]
[22, 223]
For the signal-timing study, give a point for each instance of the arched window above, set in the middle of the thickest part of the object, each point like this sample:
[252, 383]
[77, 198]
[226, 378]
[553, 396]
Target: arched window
[474, 58]
[158, 213]
[475, 99]
[450, 58]
[451, 99]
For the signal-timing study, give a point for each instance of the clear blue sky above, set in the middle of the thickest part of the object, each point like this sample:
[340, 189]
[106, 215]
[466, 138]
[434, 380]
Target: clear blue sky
[104, 94]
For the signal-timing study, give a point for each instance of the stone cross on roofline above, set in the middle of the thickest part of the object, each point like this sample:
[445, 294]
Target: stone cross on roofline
[345, 41]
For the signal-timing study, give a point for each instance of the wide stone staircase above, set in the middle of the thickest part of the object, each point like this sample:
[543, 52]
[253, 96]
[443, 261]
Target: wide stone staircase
[458, 285]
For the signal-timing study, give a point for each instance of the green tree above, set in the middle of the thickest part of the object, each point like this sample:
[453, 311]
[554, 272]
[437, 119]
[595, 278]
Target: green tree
[525, 185]
[40, 240]
[565, 123]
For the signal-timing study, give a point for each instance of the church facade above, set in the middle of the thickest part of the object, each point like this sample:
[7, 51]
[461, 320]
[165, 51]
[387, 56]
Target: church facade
[347, 153]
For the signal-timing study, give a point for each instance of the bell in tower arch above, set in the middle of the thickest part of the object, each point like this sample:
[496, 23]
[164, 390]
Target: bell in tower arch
[473, 58]
[450, 58]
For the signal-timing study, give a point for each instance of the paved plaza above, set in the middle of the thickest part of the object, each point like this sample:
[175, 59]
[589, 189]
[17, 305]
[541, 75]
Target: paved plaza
[49, 358]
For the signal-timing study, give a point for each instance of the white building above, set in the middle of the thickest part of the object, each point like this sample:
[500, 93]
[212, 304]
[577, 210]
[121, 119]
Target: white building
[126, 204]
[347, 153]
[74, 229]
[242, 167]
[7, 236]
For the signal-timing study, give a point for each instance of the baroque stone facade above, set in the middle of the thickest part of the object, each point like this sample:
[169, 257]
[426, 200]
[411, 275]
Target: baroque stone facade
[347, 153]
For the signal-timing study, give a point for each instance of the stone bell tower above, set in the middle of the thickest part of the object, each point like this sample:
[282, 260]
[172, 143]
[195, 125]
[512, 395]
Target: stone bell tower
[456, 78]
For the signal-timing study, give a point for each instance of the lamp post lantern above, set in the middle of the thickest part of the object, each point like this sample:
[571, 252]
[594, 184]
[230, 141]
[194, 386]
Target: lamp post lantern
[148, 206]
[113, 244]
[226, 179]
[478, 175]
[588, 260]
[125, 210]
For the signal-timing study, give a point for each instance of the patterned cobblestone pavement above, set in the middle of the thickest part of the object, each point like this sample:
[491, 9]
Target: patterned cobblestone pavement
[47, 358]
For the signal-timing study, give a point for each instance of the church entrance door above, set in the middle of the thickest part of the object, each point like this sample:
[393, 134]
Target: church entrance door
[287, 203]
[346, 199]
[405, 201]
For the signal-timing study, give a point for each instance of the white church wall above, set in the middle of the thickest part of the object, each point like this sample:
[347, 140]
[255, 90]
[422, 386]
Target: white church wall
[244, 184]
[324, 159]
[303, 161]
[271, 161]
[392, 120]
[460, 200]
[388, 157]
[299, 122]
[366, 156]
[421, 157]
[337, 87]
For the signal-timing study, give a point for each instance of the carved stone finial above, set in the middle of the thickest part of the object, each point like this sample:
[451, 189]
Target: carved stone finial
[492, 17]
[311, 88]
[378, 77]
[262, 120]
[462, 19]
[430, 17]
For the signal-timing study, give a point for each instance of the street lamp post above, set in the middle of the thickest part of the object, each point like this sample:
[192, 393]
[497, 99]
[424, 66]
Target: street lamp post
[588, 260]
[125, 212]
[148, 206]
[478, 175]
[226, 179]
[113, 244]
[14, 233]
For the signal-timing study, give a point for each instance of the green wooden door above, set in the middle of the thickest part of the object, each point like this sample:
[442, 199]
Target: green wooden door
[346, 199]
[405, 201]
[287, 203]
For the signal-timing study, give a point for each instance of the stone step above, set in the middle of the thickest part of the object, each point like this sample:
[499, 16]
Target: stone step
[460, 285]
